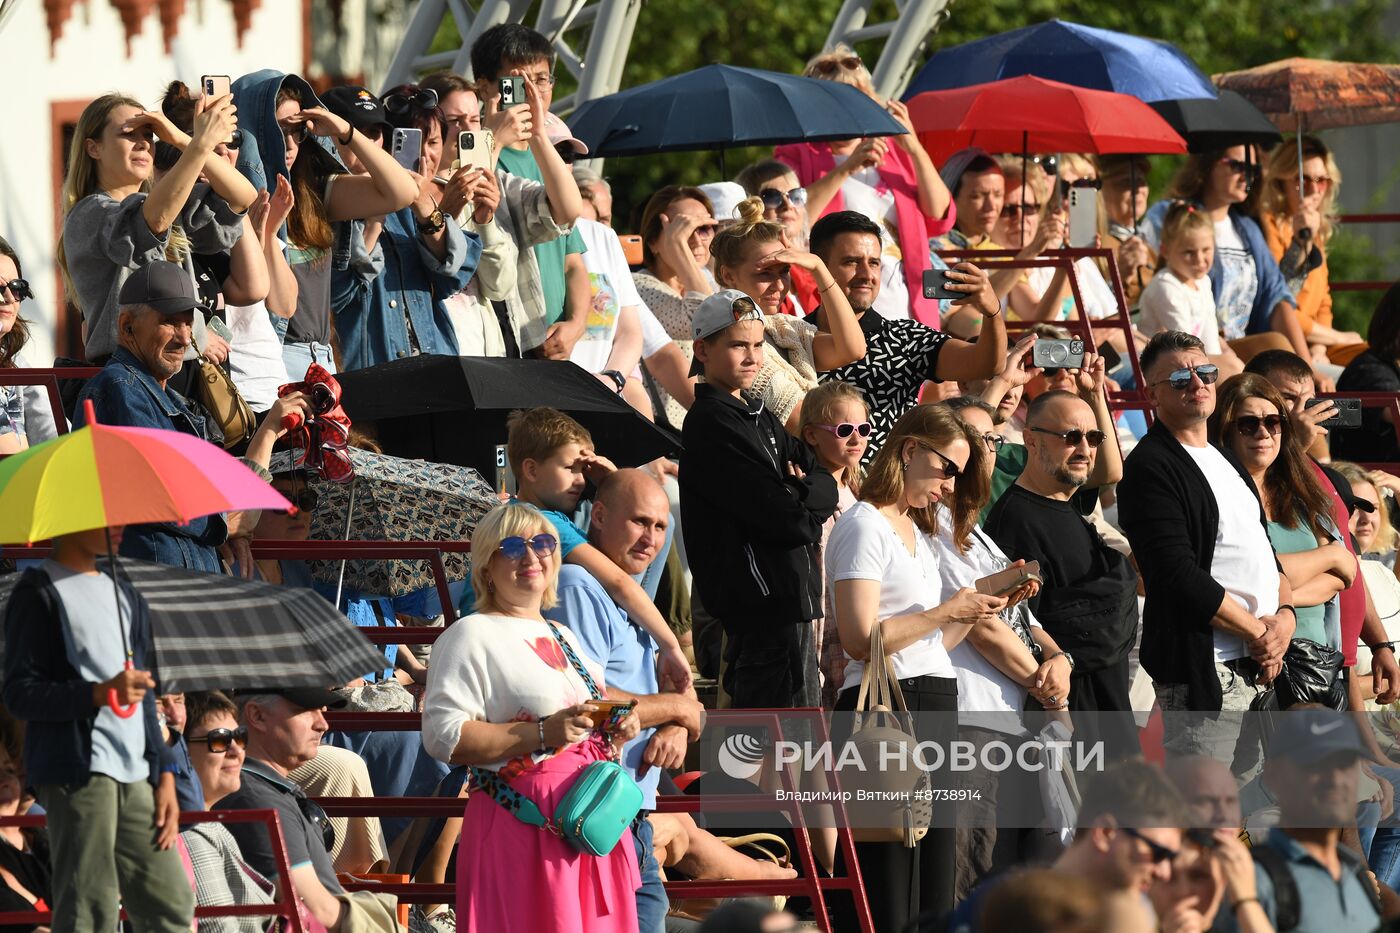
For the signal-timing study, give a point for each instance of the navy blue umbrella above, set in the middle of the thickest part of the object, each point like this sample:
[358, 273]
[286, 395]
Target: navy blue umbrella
[1102, 59]
[720, 106]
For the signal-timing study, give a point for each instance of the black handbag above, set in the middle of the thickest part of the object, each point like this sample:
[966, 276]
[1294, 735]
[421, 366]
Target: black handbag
[1310, 675]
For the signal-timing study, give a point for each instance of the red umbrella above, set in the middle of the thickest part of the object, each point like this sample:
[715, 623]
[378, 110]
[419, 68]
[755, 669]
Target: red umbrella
[1030, 114]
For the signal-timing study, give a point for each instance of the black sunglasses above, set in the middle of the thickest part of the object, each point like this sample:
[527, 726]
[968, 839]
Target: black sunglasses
[1248, 425]
[1181, 378]
[220, 740]
[317, 817]
[1248, 169]
[950, 469]
[1072, 438]
[18, 288]
[1160, 853]
[1365, 505]
[773, 198]
[401, 103]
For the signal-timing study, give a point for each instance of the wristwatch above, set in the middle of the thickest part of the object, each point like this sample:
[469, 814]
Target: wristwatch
[433, 223]
[1069, 658]
[1383, 644]
[616, 377]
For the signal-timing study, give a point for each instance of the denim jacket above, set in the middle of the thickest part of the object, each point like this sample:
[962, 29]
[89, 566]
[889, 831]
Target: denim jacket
[372, 306]
[126, 394]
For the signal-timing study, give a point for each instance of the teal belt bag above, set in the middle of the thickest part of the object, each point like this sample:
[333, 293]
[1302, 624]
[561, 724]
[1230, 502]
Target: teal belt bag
[595, 811]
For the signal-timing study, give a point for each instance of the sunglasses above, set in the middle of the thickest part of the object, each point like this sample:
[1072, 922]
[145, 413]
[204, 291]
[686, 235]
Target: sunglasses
[1050, 164]
[18, 289]
[1365, 505]
[1072, 438]
[1181, 378]
[401, 103]
[1248, 425]
[706, 230]
[846, 429]
[305, 500]
[1318, 181]
[220, 741]
[513, 548]
[828, 65]
[318, 818]
[293, 132]
[994, 442]
[1241, 167]
[950, 469]
[1015, 210]
[1160, 853]
[773, 198]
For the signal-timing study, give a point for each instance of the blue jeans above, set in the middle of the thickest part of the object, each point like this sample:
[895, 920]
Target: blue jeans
[299, 356]
[652, 902]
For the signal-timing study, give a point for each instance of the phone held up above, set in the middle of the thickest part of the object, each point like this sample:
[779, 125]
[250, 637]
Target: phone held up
[936, 286]
[512, 91]
[1083, 216]
[212, 87]
[406, 147]
[474, 149]
[1348, 412]
[1048, 353]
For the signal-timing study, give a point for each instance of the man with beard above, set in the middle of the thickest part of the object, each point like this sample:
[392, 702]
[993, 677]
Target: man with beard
[1088, 598]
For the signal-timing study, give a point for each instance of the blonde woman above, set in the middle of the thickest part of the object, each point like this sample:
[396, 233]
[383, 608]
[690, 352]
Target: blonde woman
[1297, 230]
[890, 180]
[509, 693]
[1376, 540]
[753, 256]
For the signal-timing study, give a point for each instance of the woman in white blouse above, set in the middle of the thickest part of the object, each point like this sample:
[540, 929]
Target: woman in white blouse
[504, 695]
[883, 571]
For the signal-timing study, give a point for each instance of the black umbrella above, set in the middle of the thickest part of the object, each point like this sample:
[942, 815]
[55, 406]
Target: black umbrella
[220, 632]
[454, 409]
[1208, 124]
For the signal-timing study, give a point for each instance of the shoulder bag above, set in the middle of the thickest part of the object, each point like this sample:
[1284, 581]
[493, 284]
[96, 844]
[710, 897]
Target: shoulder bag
[596, 810]
[224, 403]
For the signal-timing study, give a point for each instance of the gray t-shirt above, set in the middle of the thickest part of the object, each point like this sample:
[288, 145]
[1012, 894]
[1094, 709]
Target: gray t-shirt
[94, 646]
[265, 789]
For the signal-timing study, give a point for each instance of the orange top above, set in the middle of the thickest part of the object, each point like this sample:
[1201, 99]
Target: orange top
[1315, 297]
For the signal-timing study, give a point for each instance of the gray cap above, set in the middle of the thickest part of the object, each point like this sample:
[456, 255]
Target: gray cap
[957, 163]
[717, 312]
[162, 286]
[1308, 736]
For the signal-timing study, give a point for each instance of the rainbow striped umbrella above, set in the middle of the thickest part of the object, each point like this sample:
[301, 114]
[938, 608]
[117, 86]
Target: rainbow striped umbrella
[101, 476]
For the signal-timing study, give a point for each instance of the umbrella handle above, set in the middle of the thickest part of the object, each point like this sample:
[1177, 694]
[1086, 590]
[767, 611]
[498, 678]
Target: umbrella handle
[123, 712]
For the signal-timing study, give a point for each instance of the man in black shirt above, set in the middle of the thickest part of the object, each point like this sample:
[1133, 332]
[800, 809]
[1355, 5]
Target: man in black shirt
[900, 355]
[1088, 600]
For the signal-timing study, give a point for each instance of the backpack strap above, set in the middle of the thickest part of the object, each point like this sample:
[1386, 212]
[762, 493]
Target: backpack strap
[1287, 909]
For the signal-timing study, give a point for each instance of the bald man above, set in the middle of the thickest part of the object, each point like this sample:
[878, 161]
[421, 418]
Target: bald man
[1088, 600]
[628, 525]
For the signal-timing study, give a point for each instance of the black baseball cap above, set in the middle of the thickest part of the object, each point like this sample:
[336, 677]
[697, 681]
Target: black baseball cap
[356, 105]
[305, 697]
[163, 286]
[1309, 736]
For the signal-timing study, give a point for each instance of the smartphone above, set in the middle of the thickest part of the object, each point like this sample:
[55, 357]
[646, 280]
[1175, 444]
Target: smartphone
[1111, 357]
[1348, 412]
[512, 91]
[474, 148]
[1005, 582]
[936, 285]
[1083, 217]
[407, 148]
[632, 249]
[609, 712]
[215, 86]
[1047, 353]
[502, 471]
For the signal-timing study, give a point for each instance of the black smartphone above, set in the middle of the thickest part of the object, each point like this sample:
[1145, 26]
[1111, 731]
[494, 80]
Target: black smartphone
[1348, 412]
[936, 285]
[1058, 354]
[1111, 357]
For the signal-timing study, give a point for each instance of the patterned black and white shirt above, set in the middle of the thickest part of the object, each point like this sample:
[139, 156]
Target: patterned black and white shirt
[899, 356]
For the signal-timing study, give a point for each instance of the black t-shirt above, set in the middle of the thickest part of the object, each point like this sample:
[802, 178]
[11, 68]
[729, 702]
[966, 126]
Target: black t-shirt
[264, 789]
[1088, 601]
[1374, 441]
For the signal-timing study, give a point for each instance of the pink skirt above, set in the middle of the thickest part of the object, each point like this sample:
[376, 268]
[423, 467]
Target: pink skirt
[514, 876]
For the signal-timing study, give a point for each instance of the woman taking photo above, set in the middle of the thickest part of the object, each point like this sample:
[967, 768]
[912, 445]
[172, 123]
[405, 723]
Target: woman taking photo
[115, 220]
[506, 694]
[1254, 424]
[14, 333]
[752, 255]
[883, 572]
[1376, 369]
[1124, 199]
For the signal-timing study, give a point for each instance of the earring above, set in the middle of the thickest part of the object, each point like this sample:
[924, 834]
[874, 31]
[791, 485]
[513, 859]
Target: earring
[490, 587]
[904, 466]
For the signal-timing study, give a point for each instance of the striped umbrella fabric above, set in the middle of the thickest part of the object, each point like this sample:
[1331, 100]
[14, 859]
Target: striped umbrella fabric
[227, 633]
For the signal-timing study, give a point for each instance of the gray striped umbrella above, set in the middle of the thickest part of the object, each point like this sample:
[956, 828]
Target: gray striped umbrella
[227, 633]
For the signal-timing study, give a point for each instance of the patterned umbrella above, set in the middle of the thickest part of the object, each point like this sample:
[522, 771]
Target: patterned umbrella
[1300, 94]
[227, 633]
[399, 500]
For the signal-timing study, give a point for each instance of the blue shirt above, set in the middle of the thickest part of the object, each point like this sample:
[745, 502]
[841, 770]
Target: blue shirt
[1336, 906]
[626, 651]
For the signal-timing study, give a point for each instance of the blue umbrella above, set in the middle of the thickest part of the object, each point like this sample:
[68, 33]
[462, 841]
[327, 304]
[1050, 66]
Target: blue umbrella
[720, 106]
[1148, 69]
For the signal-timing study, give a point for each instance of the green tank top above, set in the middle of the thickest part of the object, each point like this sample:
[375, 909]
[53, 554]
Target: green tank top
[1295, 541]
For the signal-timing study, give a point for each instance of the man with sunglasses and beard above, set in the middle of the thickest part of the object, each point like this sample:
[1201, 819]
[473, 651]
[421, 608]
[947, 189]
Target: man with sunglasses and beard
[1088, 595]
[1218, 616]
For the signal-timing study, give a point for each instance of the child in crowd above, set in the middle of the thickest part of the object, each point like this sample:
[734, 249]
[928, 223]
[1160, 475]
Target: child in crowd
[836, 425]
[552, 456]
[1179, 296]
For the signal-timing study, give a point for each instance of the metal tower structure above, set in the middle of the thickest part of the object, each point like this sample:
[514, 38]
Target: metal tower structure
[610, 24]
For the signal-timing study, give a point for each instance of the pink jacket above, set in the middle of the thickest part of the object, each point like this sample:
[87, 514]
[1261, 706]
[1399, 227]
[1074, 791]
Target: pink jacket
[811, 161]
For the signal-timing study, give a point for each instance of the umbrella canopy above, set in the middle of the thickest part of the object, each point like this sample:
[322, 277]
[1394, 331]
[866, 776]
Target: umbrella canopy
[1147, 69]
[227, 633]
[452, 409]
[1029, 114]
[1210, 124]
[721, 106]
[1319, 95]
[399, 500]
[100, 476]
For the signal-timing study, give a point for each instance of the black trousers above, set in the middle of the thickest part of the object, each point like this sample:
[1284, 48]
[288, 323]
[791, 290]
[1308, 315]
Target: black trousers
[900, 883]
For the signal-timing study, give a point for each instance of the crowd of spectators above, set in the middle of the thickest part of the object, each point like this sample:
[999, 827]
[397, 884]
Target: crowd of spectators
[855, 457]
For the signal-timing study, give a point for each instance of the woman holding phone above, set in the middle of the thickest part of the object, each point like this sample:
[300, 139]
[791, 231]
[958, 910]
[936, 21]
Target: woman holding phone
[883, 571]
[507, 693]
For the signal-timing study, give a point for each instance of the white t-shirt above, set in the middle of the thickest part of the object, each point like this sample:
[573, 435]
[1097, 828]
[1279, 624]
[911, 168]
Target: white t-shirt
[1226, 236]
[1244, 559]
[612, 289]
[865, 546]
[1099, 300]
[654, 336]
[993, 699]
[865, 193]
[255, 355]
[1168, 303]
[493, 668]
